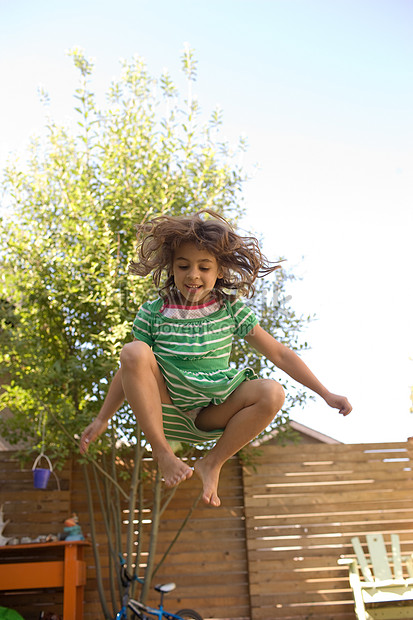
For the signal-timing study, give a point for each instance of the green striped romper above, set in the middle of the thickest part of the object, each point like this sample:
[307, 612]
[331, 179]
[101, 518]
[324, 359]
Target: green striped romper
[193, 355]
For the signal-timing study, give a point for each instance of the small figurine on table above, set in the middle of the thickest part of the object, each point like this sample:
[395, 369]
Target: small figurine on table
[72, 529]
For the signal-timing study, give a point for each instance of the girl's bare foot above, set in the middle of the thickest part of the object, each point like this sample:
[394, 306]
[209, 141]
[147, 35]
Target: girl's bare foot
[174, 471]
[210, 479]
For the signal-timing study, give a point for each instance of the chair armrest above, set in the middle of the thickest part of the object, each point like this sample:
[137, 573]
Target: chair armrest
[409, 563]
[346, 561]
[355, 585]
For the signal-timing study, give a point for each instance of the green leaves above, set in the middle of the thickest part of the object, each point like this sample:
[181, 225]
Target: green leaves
[68, 301]
[189, 63]
[85, 65]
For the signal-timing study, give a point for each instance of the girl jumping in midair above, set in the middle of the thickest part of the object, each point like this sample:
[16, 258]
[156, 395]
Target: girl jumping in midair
[179, 357]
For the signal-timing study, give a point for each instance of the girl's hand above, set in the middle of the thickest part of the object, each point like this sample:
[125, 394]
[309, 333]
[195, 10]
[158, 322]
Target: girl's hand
[338, 402]
[91, 432]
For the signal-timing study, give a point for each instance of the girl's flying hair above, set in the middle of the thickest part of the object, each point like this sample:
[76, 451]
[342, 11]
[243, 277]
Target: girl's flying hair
[239, 258]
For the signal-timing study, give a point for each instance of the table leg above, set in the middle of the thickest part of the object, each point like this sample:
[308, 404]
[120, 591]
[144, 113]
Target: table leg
[74, 580]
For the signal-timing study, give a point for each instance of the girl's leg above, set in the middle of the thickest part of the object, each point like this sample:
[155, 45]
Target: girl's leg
[246, 412]
[145, 390]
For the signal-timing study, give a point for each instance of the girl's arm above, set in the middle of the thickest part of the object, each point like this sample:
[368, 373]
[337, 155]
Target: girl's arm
[289, 362]
[114, 399]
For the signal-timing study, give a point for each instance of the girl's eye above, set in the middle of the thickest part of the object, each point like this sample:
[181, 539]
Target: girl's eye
[183, 267]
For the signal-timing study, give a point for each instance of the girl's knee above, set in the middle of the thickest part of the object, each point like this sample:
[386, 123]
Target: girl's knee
[135, 352]
[272, 395]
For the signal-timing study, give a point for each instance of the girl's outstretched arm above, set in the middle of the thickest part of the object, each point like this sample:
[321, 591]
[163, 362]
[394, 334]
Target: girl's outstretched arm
[289, 362]
[114, 399]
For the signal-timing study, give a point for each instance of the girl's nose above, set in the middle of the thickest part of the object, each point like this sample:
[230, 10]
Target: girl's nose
[193, 273]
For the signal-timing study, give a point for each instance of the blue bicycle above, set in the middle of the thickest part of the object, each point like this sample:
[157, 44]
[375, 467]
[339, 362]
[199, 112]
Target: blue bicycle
[144, 612]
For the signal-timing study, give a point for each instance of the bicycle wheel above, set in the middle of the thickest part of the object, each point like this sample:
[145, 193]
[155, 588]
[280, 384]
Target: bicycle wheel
[188, 614]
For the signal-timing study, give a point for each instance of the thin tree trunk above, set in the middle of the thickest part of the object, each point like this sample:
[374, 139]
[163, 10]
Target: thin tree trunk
[133, 493]
[156, 514]
[116, 504]
[139, 527]
[177, 535]
[106, 511]
[116, 508]
[101, 591]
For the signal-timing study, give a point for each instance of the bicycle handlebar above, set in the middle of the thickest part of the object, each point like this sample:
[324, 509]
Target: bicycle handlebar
[125, 577]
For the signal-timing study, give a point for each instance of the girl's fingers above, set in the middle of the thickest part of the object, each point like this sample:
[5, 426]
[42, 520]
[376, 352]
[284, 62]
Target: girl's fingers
[89, 435]
[84, 443]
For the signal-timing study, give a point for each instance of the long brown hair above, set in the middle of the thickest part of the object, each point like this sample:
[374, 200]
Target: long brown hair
[240, 258]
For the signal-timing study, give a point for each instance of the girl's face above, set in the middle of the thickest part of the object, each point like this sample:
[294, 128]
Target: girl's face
[195, 272]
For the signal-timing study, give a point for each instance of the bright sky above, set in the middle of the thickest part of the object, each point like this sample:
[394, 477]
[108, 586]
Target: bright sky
[323, 90]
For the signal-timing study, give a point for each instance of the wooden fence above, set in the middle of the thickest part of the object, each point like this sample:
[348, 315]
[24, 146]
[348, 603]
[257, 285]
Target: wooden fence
[269, 552]
[208, 563]
[303, 504]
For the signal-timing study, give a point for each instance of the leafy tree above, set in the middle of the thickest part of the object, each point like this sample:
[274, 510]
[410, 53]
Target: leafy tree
[66, 248]
[68, 300]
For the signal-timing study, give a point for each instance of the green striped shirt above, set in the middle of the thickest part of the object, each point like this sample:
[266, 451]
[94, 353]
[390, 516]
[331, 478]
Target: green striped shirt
[204, 343]
[193, 354]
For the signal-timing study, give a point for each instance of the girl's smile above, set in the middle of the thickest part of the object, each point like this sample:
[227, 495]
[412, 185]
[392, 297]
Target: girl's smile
[195, 272]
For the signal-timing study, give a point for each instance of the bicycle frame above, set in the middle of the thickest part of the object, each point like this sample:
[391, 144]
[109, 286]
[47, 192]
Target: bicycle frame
[126, 580]
[159, 612]
[143, 611]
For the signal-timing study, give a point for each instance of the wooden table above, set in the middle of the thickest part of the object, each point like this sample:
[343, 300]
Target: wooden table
[47, 565]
